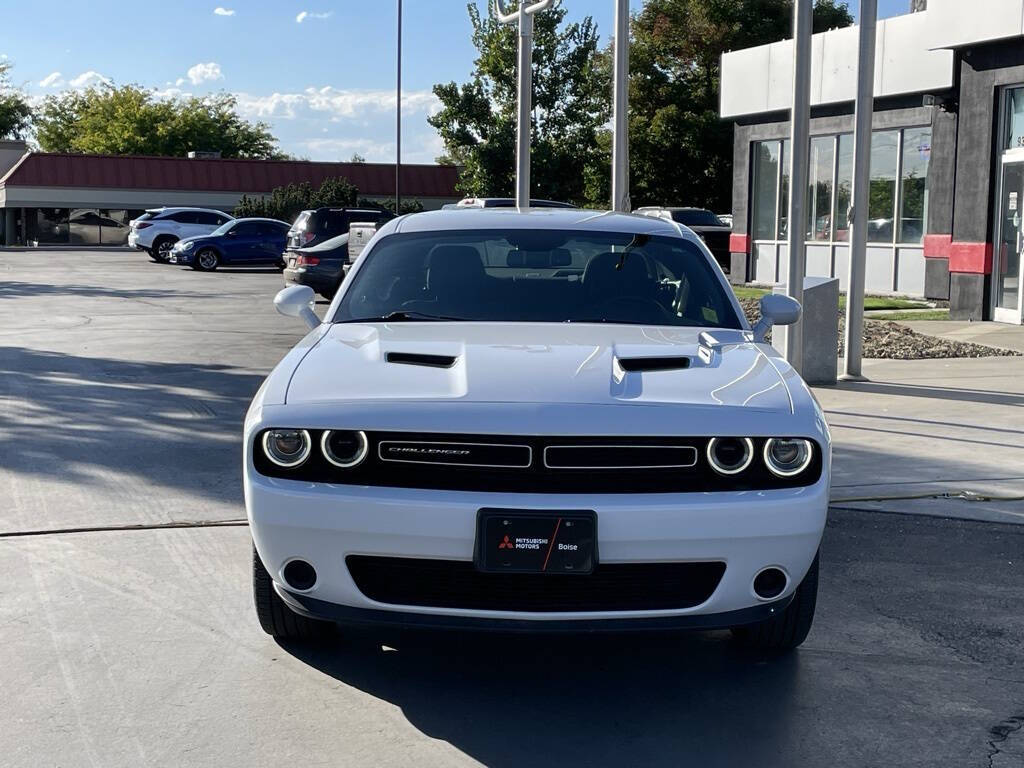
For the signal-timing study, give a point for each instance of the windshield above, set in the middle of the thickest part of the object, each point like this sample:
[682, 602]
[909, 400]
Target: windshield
[224, 228]
[697, 218]
[538, 276]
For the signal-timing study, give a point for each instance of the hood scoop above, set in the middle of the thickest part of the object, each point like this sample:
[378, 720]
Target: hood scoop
[415, 358]
[647, 364]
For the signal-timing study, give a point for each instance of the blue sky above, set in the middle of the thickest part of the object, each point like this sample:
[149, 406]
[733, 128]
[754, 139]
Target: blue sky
[321, 72]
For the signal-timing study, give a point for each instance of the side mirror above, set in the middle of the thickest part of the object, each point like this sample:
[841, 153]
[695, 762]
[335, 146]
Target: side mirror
[297, 301]
[776, 309]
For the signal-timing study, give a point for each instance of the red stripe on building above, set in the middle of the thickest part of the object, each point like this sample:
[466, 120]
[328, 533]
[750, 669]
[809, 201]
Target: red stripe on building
[937, 246]
[973, 258]
[739, 243]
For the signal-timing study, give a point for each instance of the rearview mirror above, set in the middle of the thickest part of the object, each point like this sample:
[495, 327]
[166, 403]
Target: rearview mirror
[297, 301]
[776, 309]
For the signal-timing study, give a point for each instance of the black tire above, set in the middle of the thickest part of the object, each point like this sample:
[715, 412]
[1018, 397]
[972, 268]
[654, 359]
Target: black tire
[789, 629]
[276, 618]
[207, 255]
[152, 255]
[162, 249]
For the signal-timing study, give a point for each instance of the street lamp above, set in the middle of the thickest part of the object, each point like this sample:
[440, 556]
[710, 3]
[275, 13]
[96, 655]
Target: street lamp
[524, 15]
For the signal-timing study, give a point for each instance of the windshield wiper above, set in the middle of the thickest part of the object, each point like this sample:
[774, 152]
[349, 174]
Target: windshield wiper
[402, 316]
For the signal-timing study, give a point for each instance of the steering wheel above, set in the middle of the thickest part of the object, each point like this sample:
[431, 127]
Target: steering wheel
[638, 302]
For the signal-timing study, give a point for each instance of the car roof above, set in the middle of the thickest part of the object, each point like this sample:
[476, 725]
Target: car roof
[175, 208]
[257, 218]
[538, 218]
[673, 208]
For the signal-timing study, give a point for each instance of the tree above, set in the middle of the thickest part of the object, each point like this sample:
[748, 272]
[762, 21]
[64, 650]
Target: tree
[15, 111]
[477, 120]
[680, 151]
[285, 203]
[409, 205]
[357, 158]
[129, 120]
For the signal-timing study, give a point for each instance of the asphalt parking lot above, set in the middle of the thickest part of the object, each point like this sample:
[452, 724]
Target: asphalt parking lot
[122, 389]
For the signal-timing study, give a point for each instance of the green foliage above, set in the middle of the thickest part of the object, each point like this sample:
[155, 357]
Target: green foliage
[477, 120]
[129, 120]
[15, 111]
[285, 203]
[409, 205]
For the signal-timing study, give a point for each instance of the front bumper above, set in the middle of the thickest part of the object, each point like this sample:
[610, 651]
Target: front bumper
[323, 524]
[180, 257]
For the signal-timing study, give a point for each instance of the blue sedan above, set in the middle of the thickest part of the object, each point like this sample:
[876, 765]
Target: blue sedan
[242, 241]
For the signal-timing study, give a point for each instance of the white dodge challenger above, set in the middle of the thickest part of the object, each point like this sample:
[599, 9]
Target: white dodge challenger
[545, 420]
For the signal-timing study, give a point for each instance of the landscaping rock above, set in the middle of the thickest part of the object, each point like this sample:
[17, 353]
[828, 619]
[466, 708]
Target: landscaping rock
[891, 340]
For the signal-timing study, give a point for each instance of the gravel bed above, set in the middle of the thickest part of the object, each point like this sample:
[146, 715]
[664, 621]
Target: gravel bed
[891, 340]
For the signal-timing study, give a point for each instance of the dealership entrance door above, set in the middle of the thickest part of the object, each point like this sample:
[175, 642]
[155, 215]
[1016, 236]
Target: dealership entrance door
[1009, 242]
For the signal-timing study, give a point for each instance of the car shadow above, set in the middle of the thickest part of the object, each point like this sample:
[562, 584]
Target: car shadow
[647, 699]
[14, 290]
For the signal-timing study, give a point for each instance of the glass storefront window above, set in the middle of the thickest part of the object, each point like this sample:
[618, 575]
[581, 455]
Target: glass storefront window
[765, 189]
[882, 190]
[46, 225]
[844, 187]
[784, 192]
[819, 192]
[917, 151]
[1014, 137]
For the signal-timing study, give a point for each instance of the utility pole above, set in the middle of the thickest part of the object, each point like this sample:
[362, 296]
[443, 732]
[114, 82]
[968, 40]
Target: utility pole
[620, 138]
[858, 224]
[800, 119]
[398, 124]
[524, 15]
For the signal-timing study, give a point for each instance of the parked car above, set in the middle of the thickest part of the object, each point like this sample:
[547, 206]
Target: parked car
[315, 226]
[322, 267]
[507, 202]
[708, 227]
[536, 421]
[158, 229]
[241, 241]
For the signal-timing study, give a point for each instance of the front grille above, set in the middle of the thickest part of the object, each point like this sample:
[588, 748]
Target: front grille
[536, 465]
[515, 464]
[458, 584]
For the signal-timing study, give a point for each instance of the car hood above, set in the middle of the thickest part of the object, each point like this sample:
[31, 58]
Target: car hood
[537, 363]
[196, 240]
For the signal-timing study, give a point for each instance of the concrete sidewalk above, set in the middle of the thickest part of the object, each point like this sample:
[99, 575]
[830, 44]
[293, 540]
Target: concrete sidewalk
[923, 428]
[988, 333]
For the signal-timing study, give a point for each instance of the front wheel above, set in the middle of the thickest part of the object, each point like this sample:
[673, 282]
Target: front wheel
[275, 617]
[206, 260]
[162, 249]
[789, 629]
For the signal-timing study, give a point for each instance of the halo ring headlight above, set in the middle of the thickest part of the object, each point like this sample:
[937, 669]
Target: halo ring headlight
[735, 467]
[276, 444]
[787, 457]
[361, 449]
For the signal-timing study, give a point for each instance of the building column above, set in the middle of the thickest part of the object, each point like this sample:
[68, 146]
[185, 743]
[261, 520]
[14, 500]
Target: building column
[970, 269]
[10, 235]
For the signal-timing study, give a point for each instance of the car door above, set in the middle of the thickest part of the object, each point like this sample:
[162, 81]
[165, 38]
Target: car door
[274, 242]
[240, 242]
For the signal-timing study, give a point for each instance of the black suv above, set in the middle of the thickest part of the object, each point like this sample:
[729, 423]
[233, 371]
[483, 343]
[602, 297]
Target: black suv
[314, 227]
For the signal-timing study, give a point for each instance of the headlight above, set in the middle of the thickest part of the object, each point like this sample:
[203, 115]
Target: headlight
[286, 447]
[730, 455]
[786, 457]
[188, 246]
[344, 448]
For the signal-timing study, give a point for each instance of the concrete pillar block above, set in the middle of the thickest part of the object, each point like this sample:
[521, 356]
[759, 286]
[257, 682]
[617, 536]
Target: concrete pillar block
[821, 329]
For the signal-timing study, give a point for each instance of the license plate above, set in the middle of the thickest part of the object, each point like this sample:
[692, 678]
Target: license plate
[530, 541]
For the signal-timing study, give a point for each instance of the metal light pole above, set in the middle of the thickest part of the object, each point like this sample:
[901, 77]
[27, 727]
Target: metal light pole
[800, 118]
[620, 139]
[524, 15]
[398, 121]
[858, 223]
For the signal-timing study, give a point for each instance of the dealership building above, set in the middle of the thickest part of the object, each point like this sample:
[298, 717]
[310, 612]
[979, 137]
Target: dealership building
[66, 199]
[947, 156]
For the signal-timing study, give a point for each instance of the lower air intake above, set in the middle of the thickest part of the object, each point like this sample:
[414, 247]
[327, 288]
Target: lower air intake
[458, 584]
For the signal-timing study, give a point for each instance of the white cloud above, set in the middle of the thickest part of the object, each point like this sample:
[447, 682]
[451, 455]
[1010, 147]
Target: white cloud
[303, 15]
[334, 102]
[180, 81]
[223, 11]
[89, 79]
[52, 80]
[201, 73]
